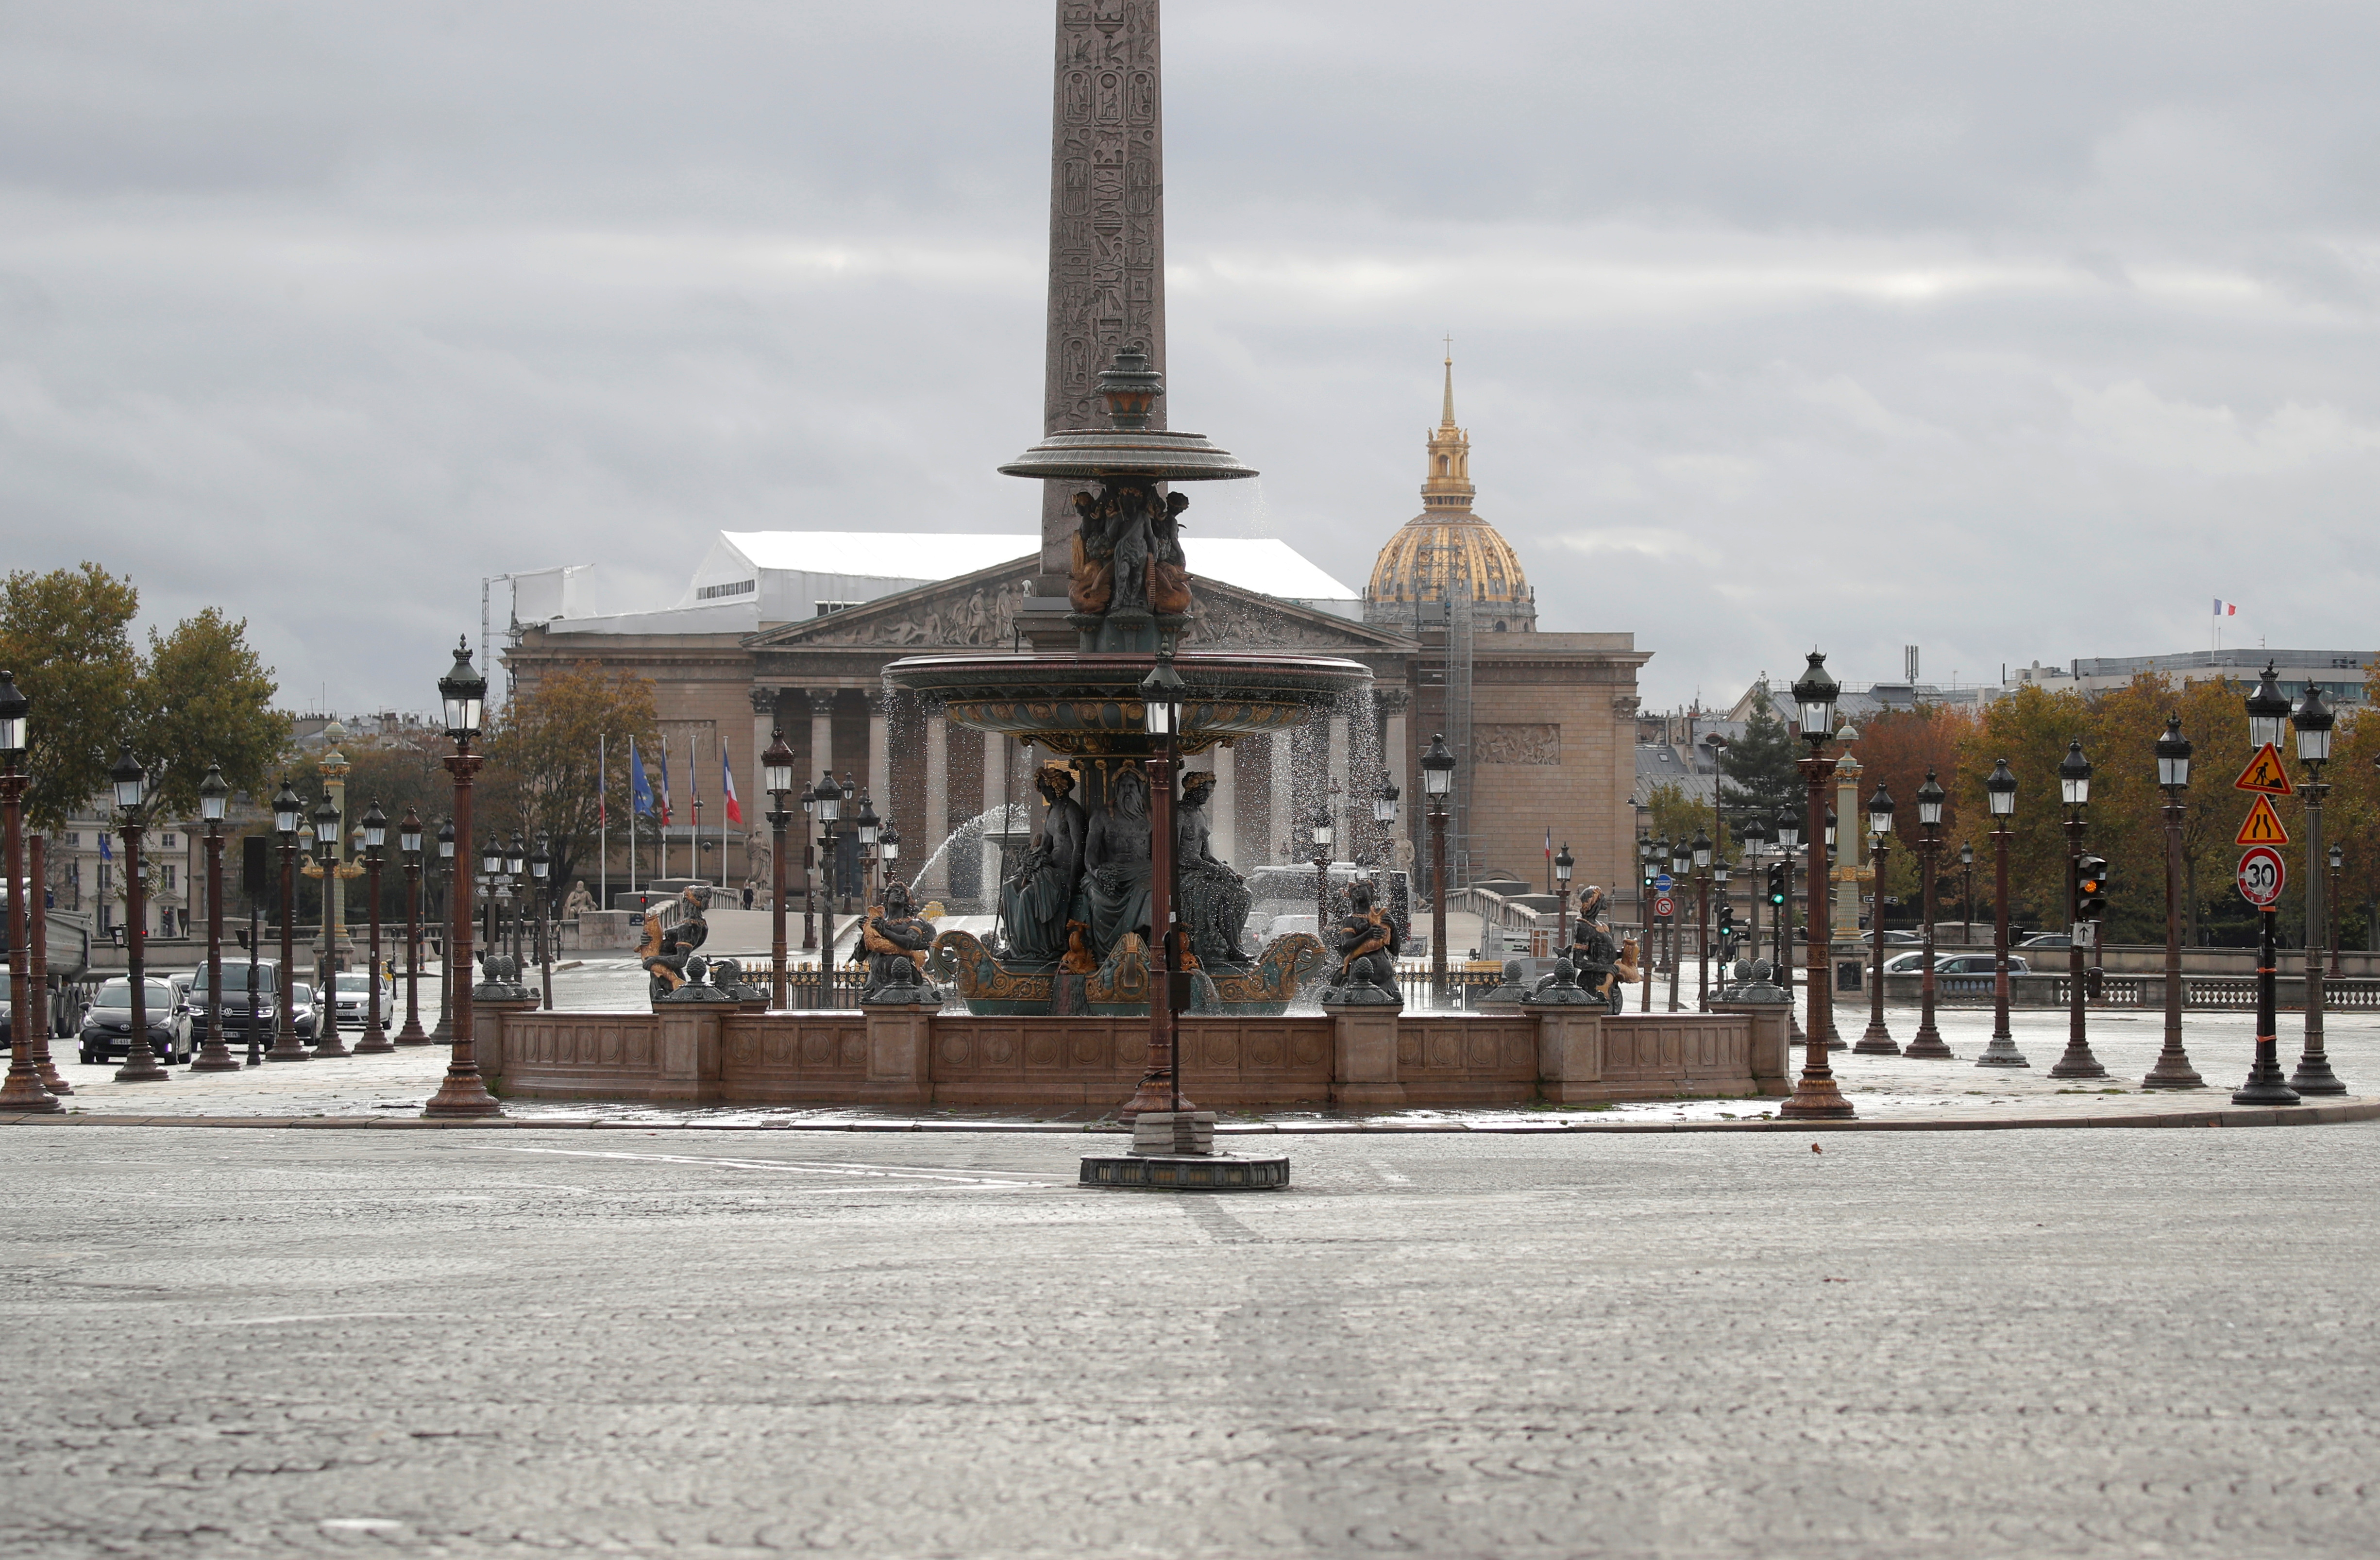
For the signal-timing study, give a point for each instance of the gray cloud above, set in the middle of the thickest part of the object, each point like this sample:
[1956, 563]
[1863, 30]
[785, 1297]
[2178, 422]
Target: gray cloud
[1856, 325]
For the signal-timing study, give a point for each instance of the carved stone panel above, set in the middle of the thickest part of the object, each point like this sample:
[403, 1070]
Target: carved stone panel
[1526, 742]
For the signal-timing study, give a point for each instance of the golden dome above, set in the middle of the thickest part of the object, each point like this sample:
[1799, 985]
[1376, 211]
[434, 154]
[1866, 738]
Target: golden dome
[1447, 542]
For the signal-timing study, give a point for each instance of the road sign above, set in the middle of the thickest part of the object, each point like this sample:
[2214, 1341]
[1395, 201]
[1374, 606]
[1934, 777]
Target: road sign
[2264, 772]
[2260, 876]
[1662, 906]
[1662, 885]
[2264, 825]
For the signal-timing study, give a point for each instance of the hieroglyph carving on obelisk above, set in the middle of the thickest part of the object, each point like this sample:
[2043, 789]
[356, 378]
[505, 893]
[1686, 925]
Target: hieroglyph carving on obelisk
[1107, 228]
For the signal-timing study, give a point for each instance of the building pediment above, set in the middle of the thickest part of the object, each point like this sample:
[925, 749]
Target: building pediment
[978, 612]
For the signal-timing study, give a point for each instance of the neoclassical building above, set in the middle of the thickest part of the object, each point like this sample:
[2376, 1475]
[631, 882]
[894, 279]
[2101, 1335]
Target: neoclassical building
[1544, 723]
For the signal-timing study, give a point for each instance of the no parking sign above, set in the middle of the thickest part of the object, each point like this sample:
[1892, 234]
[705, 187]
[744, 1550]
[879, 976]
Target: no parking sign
[1663, 907]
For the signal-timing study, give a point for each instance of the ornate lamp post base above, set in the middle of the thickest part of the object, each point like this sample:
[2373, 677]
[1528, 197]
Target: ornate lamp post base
[1174, 1150]
[2002, 1052]
[2173, 1071]
[1927, 1044]
[2077, 1062]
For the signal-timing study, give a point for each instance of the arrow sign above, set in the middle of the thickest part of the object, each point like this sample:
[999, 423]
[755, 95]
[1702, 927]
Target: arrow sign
[2264, 825]
[2264, 772]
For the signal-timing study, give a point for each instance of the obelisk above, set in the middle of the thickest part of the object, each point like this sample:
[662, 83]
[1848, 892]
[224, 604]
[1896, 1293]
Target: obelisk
[1107, 243]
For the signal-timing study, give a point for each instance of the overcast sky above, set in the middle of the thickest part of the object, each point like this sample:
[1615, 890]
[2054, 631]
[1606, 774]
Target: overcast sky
[1776, 325]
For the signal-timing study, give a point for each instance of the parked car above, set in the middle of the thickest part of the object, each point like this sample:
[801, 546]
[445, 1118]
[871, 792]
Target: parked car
[1892, 937]
[354, 989]
[1951, 965]
[106, 1033]
[2049, 939]
[236, 1009]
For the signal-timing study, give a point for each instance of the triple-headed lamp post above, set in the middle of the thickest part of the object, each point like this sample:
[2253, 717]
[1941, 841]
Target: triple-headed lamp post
[2000, 797]
[1815, 1097]
[1877, 1041]
[1436, 780]
[777, 779]
[131, 781]
[408, 846]
[2172, 1069]
[1927, 1043]
[1161, 694]
[2313, 720]
[24, 1091]
[462, 693]
[214, 798]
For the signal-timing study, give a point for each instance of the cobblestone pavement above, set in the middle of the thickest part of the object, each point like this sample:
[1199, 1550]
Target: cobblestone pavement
[262, 1343]
[1879, 1087]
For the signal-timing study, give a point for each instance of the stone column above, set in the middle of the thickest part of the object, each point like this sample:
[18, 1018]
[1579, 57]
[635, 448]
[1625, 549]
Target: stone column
[822, 734]
[1283, 823]
[999, 788]
[938, 801]
[880, 760]
[1224, 811]
[1341, 793]
[1397, 758]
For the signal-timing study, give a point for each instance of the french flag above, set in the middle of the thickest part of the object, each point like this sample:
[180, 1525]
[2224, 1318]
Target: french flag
[2226, 608]
[727, 786]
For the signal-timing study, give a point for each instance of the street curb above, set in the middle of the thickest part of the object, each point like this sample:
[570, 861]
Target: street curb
[2302, 1116]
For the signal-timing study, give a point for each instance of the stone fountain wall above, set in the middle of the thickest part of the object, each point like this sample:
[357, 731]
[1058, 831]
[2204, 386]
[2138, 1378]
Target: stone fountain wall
[1359, 1059]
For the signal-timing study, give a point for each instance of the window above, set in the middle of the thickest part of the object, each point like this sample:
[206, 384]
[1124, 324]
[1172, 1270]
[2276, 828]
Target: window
[169, 842]
[827, 608]
[74, 842]
[732, 587]
[169, 879]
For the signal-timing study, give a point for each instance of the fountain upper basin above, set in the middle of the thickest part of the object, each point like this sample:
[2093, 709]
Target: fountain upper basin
[1083, 702]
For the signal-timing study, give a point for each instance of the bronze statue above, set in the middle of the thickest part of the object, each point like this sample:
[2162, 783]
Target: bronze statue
[1093, 585]
[663, 953]
[1115, 861]
[1036, 902]
[1169, 570]
[578, 902]
[1366, 940]
[1602, 967]
[1214, 898]
[895, 940]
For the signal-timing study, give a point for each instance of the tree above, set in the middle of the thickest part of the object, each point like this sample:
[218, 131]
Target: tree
[204, 698]
[68, 636]
[542, 756]
[2030, 728]
[1674, 814]
[1757, 778]
[1897, 749]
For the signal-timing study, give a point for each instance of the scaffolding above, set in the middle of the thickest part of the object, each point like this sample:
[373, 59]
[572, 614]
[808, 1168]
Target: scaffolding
[1458, 725]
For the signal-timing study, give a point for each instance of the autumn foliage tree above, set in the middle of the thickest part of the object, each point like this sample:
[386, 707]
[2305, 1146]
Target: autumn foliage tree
[541, 774]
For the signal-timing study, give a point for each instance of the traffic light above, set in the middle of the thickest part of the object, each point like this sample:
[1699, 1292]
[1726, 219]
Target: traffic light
[2091, 888]
[1726, 919]
[1777, 882]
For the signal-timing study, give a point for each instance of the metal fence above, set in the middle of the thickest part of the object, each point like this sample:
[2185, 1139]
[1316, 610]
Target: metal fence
[809, 989]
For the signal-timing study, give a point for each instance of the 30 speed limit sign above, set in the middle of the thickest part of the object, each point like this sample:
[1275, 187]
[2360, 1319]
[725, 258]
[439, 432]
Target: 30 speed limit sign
[2260, 876]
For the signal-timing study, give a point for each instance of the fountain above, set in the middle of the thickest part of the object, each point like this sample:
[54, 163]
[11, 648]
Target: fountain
[1077, 917]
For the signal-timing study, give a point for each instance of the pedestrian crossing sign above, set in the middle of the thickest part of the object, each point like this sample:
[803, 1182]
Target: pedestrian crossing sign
[2263, 825]
[2264, 772]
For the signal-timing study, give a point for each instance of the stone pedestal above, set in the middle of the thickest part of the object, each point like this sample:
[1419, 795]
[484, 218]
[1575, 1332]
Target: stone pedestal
[1174, 1132]
[489, 1016]
[900, 1038]
[1570, 1053]
[692, 1053]
[1772, 1049]
[1364, 1058]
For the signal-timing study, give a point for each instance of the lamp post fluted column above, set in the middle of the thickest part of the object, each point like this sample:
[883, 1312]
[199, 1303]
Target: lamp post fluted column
[1927, 1043]
[444, 1034]
[1815, 1097]
[463, 693]
[286, 812]
[1702, 921]
[131, 797]
[1437, 782]
[375, 1037]
[214, 793]
[777, 779]
[2000, 793]
[408, 839]
[327, 824]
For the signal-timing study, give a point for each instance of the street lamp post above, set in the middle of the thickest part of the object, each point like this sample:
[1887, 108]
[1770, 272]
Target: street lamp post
[131, 785]
[1323, 833]
[1564, 864]
[326, 967]
[777, 779]
[2074, 790]
[541, 873]
[2337, 864]
[810, 890]
[1754, 834]
[2313, 720]
[462, 693]
[826, 799]
[1437, 780]
[1876, 1040]
[1645, 871]
[1787, 829]
[1967, 894]
[1927, 1043]
[843, 882]
[444, 1034]
[214, 796]
[867, 823]
[1815, 1097]
[408, 846]
[519, 896]
[1999, 795]
[1723, 917]
[1682, 867]
[1702, 921]
[24, 1091]
[1161, 694]
[2268, 714]
[288, 816]
[375, 1039]
[2172, 1069]
[1384, 813]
